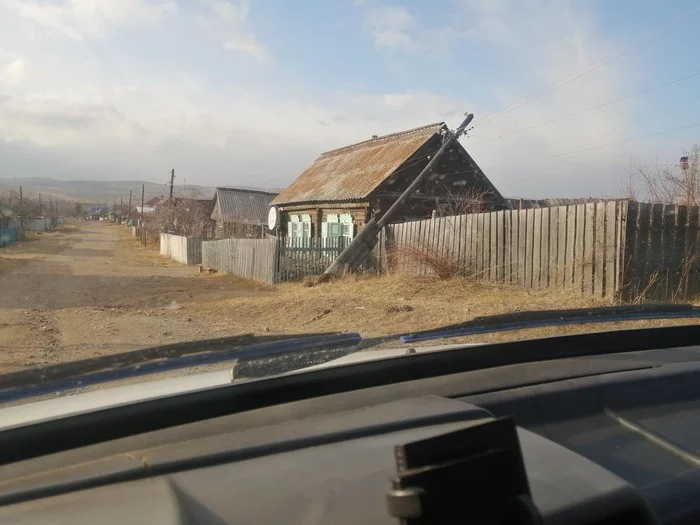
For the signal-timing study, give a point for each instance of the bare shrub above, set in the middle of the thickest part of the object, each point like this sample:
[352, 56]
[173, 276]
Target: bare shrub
[443, 259]
[468, 200]
[443, 264]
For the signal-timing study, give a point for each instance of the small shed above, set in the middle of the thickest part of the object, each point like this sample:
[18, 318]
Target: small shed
[241, 213]
[344, 188]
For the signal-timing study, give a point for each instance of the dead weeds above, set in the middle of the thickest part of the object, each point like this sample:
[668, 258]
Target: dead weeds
[379, 305]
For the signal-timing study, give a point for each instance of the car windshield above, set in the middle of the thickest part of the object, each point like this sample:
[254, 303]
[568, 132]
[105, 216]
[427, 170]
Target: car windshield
[179, 171]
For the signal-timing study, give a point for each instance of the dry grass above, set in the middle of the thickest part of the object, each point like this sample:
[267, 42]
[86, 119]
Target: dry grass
[377, 305]
[135, 252]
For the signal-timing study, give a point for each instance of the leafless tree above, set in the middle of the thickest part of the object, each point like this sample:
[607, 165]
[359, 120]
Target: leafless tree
[668, 183]
[186, 214]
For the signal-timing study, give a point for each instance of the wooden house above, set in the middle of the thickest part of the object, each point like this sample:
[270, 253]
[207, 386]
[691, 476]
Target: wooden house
[345, 187]
[241, 213]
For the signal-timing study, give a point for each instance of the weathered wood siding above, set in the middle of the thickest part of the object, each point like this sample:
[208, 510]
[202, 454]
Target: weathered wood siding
[248, 258]
[187, 250]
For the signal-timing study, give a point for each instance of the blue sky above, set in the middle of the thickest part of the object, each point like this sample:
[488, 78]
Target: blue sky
[251, 91]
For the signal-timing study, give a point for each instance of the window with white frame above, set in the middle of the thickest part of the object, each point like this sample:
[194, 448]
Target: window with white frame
[299, 226]
[336, 226]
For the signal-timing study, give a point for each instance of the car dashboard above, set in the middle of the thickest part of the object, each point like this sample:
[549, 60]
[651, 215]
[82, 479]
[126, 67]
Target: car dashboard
[604, 439]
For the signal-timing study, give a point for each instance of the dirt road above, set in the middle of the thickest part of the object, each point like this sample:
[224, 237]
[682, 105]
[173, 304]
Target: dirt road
[84, 291]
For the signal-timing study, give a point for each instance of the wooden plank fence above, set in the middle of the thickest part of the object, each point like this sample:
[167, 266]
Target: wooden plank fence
[616, 250]
[248, 258]
[662, 252]
[187, 250]
[576, 247]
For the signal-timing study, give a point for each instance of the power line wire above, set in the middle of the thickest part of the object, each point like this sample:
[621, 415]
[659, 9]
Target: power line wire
[558, 155]
[563, 82]
[592, 108]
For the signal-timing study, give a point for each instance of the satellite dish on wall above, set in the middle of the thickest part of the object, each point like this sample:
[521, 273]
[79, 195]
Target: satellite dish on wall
[273, 218]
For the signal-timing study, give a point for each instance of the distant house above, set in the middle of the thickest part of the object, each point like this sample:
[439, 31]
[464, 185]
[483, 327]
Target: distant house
[186, 216]
[241, 213]
[344, 188]
[152, 203]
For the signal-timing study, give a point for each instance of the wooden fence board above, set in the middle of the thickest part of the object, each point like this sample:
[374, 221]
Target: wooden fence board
[562, 228]
[570, 270]
[544, 248]
[553, 246]
[612, 248]
[492, 226]
[500, 247]
[535, 247]
[507, 246]
[522, 247]
[599, 239]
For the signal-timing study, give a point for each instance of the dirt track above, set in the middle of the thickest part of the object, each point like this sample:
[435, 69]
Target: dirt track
[84, 292]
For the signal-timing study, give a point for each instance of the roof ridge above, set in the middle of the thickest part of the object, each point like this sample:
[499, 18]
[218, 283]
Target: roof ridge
[247, 190]
[383, 137]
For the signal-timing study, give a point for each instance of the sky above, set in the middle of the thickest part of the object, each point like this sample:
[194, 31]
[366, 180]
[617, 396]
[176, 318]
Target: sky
[250, 92]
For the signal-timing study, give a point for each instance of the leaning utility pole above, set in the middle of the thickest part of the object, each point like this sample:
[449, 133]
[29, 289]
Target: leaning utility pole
[172, 182]
[143, 228]
[366, 239]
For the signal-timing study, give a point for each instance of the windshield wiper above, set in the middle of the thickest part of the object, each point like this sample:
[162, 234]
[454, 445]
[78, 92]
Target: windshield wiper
[306, 349]
[544, 318]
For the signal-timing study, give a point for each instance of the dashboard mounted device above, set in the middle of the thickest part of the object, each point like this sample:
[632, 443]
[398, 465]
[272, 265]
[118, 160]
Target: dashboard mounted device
[474, 475]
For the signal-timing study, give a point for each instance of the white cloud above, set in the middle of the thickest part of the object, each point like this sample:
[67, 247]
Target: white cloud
[391, 27]
[140, 125]
[80, 19]
[12, 73]
[228, 23]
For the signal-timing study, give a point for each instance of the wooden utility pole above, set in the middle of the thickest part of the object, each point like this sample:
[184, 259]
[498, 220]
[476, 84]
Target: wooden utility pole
[172, 182]
[21, 210]
[40, 208]
[128, 213]
[121, 209]
[143, 229]
[361, 246]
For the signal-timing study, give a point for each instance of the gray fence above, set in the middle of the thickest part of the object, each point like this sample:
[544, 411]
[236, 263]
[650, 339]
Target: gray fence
[298, 258]
[187, 250]
[578, 247]
[611, 249]
[276, 260]
[662, 252]
[248, 258]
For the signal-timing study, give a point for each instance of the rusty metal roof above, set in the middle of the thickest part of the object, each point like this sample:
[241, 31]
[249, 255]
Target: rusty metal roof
[353, 172]
[241, 206]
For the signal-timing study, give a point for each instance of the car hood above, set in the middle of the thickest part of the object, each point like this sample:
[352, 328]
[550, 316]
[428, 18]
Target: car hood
[70, 404]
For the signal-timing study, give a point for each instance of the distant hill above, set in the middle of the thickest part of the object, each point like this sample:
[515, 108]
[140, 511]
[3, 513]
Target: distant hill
[94, 191]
